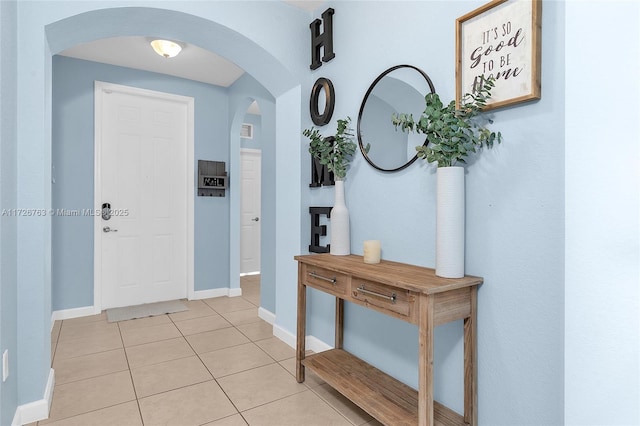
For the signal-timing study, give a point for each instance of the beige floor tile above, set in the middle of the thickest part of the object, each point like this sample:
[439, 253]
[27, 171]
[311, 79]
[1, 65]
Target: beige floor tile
[126, 414]
[157, 352]
[197, 308]
[259, 386]
[92, 394]
[235, 359]
[304, 408]
[169, 375]
[144, 322]
[256, 330]
[202, 324]
[216, 339]
[310, 378]
[235, 420]
[55, 330]
[83, 330]
[244, 316]
[90, 318]
[250, 279]
[344, 406]
[88, 345]
[276, 348]
[228, 304]
[87, 366]
[154, 333]
[252, 296]
[191, 405]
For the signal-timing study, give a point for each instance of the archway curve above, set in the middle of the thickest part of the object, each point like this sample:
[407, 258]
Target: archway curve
[145, 21]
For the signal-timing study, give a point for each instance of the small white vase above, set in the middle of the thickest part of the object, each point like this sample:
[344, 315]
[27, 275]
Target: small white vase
[450, 222]
[340, 239]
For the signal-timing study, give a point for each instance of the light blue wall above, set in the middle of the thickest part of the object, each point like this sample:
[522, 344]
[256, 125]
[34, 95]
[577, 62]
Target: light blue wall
[73, 156]
[514, 222]
[255, 142]
[602, 187]
[8, 197]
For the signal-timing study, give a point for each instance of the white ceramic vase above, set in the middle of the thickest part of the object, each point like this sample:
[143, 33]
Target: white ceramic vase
[450, 222]
[340, 239]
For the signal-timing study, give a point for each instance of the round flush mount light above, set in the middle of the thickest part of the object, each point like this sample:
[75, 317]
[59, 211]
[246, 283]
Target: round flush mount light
[166, 48]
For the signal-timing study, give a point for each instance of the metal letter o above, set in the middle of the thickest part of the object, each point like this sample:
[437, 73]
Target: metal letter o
[329, 96]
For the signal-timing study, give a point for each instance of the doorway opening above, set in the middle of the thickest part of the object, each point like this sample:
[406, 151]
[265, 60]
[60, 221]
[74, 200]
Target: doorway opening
[271, 74]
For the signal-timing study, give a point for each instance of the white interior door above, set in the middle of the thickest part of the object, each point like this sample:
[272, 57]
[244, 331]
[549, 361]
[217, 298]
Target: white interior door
[250, 169]
[143, 175]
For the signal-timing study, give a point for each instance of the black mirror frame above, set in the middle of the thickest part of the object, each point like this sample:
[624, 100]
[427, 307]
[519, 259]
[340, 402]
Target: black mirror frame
[364, 101]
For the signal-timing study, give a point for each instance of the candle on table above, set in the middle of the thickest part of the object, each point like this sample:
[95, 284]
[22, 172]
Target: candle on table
[372, 251]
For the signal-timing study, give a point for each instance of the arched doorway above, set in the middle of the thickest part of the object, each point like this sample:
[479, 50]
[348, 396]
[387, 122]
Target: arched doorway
[270, 73]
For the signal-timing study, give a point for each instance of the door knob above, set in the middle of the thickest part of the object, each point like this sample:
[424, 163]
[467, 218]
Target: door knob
[107, 229]
[255, 219]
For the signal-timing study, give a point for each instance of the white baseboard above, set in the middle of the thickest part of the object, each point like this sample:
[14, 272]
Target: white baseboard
[235, 292]
[316, 345]
[268, 316]
[36, 410]
[312, 343]
[64, 314]
[216, 292]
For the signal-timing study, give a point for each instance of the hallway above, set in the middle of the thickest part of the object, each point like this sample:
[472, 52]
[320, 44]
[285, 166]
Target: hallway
[216, 364]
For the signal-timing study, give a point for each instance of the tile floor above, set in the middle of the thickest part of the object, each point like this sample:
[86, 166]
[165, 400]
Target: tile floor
[216, 364]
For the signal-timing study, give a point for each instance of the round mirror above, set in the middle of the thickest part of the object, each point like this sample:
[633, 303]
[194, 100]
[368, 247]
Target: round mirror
[400, 89]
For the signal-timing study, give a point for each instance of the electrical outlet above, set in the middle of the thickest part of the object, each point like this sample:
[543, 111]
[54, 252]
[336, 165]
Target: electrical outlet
[5, 365]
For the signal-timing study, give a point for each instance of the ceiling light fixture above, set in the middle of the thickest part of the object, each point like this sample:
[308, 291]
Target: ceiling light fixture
[166, 48]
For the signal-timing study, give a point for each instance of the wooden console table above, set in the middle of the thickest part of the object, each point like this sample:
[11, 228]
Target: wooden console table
[407, 292]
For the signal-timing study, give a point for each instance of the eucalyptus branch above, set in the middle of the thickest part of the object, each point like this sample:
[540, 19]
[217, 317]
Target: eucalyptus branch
[336, 151]
[452, 134]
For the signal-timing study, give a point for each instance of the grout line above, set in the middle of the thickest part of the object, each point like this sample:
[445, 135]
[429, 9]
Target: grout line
[133, 384]
[183, 336]
[207, 368]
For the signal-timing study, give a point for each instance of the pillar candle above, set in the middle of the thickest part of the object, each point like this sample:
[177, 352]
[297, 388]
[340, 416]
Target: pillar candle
[372, 251]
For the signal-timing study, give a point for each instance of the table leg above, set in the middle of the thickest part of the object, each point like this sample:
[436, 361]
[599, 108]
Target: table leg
[339, 322]
[301, 330]
[470, 364]
[425, 361]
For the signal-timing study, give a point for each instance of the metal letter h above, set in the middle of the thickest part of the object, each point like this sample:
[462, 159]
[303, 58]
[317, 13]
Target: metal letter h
[322, 40]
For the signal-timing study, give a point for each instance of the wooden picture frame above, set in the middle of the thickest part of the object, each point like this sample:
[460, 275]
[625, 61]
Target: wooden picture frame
[500, 39]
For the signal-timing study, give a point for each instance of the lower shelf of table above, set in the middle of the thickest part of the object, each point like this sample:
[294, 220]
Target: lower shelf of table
[383, 397]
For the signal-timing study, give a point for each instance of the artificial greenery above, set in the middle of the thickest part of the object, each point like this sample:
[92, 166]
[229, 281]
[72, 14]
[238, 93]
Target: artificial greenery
[451, 133]
[336, 151]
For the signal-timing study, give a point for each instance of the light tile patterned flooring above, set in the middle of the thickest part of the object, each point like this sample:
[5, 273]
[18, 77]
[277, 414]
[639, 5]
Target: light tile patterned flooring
[216, 364]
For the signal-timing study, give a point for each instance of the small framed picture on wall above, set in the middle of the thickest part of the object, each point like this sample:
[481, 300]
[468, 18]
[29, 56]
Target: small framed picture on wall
[501, 40]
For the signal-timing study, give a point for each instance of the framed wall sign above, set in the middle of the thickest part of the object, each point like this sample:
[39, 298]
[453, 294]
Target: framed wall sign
[500, 39]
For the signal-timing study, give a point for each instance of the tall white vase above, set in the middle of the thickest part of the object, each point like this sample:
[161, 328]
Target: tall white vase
[340, 239]
[450, 222]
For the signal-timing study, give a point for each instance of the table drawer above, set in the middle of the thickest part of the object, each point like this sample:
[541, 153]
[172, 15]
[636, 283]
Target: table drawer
[326, 279]
[391, 299]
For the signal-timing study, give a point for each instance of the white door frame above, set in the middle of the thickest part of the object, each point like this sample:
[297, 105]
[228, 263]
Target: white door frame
[99, 89]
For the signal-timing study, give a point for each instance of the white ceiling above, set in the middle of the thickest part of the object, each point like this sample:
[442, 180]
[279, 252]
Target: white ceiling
[192, 63]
